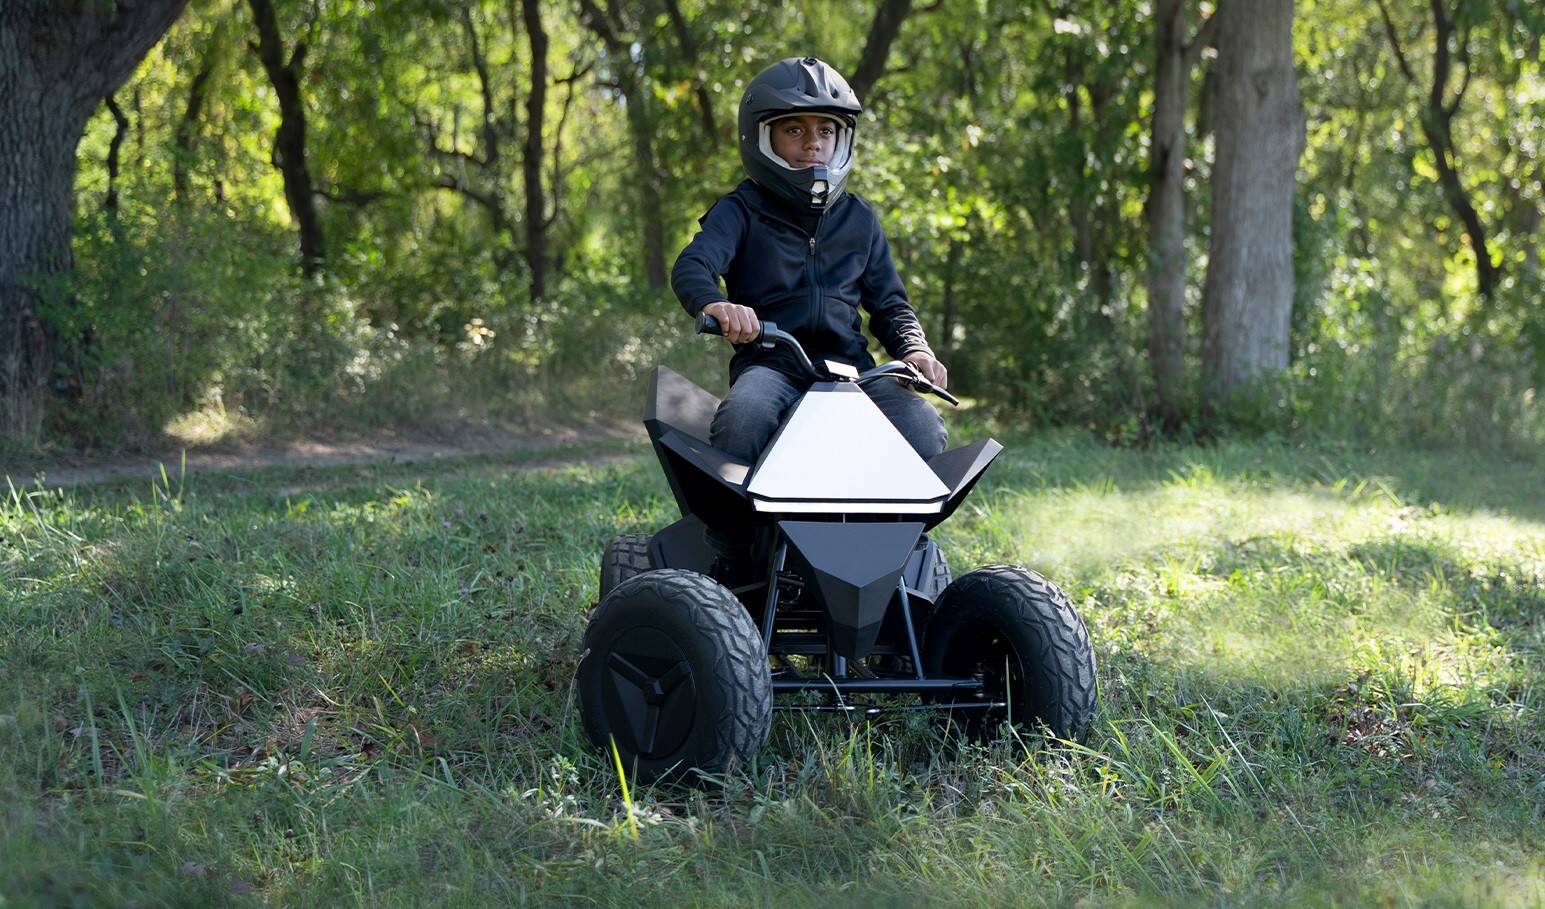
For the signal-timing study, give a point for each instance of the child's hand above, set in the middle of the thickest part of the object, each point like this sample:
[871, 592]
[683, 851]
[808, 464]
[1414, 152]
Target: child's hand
[739, 323]
[931, 368]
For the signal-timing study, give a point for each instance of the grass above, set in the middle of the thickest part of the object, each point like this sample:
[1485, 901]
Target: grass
[1320, 675]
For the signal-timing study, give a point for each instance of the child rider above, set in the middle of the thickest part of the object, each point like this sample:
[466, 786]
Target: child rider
[795, 249]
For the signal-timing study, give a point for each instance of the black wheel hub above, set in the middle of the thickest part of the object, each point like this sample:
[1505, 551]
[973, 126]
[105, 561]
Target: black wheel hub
[649, 697]
[983, 655]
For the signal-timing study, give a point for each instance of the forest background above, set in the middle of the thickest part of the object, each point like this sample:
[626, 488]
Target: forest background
[340, 213]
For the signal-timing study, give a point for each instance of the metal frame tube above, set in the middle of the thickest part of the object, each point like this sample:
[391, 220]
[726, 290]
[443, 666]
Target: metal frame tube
[774, 565]
[877, 686]
[906, 622]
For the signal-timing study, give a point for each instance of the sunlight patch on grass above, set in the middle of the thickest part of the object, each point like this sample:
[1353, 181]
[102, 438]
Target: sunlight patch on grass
[209, 424]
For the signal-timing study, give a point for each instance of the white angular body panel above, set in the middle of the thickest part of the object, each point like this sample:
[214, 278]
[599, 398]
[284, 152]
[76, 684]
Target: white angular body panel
[838, 452]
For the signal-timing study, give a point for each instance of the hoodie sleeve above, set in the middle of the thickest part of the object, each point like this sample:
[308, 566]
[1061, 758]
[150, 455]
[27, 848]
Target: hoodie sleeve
[695, 277]
[891, 317]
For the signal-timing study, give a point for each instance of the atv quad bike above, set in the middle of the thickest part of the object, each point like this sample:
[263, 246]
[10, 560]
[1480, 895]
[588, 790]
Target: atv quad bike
[848, 599]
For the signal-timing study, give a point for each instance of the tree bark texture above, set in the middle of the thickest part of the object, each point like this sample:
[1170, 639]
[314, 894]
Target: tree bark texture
[1166, 213]
[1247, 303]
[290, 139]
[57, 62]
[886, 25]
[531, 161]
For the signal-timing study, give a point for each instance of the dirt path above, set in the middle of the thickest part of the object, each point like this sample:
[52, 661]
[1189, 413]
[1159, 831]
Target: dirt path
[383, 448]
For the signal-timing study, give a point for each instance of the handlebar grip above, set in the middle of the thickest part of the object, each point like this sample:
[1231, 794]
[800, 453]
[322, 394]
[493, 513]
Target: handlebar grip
[708, 325]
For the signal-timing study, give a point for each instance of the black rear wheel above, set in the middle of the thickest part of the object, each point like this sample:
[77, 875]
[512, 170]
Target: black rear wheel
[1017, 632]
[674, 673]
[626, 555]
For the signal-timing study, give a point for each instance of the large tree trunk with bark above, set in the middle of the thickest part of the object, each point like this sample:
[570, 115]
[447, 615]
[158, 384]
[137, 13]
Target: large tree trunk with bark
[1247, 304]
[290, 140]
[57, 62]
[1167, 212]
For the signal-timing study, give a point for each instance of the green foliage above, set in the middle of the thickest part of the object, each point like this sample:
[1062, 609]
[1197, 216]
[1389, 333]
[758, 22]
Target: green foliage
[1005, 149]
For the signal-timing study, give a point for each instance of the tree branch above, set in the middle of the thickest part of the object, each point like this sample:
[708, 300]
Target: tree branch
[357, 198]
[888, 17]
[602, 25]
[1203, 39]
[699, 88]
[563, 119]
[1394, 42]
[1449, 110]
[485, 84]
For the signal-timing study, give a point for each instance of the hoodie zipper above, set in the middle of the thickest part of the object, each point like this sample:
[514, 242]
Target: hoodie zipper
[815, 289]
[815, 283]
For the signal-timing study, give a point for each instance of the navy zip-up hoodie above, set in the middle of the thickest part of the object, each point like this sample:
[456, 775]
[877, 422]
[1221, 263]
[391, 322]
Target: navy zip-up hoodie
[810, 280]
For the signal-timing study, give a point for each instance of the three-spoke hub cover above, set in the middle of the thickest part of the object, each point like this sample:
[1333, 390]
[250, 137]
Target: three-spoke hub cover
[648, 693]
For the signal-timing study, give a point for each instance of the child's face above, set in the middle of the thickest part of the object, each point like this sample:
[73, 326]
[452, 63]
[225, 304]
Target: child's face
[804, 141]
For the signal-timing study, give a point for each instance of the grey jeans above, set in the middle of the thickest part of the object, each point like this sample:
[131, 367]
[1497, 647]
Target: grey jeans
[752, 411]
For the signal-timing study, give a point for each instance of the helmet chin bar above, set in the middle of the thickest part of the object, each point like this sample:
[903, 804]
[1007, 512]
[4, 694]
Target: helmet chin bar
[818, 188]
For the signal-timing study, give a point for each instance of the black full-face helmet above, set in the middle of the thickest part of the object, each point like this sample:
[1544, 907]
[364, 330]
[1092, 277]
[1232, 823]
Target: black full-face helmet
[793, 87]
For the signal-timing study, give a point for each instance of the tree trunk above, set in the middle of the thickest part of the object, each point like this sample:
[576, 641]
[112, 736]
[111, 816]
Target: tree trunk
[57, 61]
[1166, 214]
[1247, 303]
[888, 17]
[531, 161]
[290, 139]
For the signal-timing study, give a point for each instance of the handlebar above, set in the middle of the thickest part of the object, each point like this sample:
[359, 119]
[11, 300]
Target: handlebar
[907, 374]
[770, 337]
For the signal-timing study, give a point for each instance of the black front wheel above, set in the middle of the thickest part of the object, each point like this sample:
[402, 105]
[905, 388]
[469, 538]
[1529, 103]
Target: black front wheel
[1017, 632]
[674, 673]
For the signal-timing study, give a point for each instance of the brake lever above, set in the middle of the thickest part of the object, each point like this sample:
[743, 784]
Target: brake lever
[923, 384]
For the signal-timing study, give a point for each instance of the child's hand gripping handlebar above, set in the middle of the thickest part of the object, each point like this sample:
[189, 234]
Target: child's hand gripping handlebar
[771, 337]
